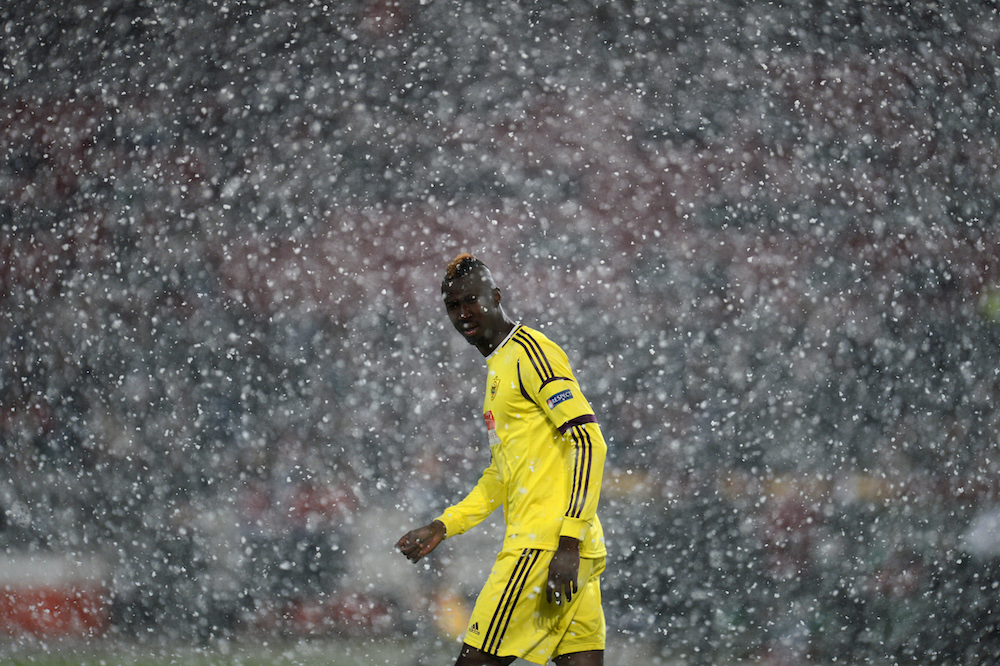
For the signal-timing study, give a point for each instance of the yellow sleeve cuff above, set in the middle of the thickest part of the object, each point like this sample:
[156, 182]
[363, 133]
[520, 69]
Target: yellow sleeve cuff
[575, 528]
[450, 527]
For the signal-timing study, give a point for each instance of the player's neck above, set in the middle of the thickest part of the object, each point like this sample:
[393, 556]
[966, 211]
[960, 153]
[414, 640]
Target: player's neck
[502, 334]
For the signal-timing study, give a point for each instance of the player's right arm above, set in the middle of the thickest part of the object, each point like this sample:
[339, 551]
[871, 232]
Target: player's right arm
[482, 500]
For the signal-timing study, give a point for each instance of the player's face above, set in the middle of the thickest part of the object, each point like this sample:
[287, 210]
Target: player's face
[473, 306]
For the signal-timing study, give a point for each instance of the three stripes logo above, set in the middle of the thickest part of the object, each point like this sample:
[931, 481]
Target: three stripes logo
[474, 629]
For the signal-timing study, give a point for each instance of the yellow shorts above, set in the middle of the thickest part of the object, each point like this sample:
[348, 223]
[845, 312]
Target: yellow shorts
[512, 617]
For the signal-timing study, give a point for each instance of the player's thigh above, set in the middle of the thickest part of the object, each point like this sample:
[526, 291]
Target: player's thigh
[586, 632]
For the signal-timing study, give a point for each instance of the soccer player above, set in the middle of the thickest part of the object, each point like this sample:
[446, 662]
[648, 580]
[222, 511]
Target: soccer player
[542, 599]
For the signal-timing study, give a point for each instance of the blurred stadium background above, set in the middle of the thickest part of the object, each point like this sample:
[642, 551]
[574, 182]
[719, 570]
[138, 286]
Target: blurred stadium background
[766, 231]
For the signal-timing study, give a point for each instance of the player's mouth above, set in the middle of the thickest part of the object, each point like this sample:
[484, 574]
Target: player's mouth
[470, 330]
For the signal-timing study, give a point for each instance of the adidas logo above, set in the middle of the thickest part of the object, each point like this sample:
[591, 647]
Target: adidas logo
[474, 629]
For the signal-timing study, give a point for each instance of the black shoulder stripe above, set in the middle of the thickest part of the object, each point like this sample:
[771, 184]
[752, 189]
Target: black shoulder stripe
[535, 353]
[554, 379]
[531, 357]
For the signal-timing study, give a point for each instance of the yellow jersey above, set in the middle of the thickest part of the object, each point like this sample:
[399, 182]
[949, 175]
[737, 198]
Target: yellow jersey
[547, 451]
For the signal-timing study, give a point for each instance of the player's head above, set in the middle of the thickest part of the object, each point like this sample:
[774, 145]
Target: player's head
[472, 300]
[461, 266]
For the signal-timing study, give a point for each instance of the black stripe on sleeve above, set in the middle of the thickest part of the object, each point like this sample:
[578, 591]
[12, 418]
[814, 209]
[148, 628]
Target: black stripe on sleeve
[581, 471]
[578, 421]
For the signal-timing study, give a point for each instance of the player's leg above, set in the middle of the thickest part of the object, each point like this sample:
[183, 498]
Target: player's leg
[502, 624]
[583, 642]
[512, 616]
[588, 658]
[470, 656]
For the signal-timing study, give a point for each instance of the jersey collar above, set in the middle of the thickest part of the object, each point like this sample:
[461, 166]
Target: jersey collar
[517, 325]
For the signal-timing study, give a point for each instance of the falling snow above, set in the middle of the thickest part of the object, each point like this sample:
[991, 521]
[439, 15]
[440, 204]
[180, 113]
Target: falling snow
[767, 232]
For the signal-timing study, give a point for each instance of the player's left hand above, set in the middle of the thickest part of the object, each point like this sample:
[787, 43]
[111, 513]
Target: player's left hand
[563, 571]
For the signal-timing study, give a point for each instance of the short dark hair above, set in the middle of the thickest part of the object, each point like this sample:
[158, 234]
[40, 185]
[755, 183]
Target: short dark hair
[462, 265]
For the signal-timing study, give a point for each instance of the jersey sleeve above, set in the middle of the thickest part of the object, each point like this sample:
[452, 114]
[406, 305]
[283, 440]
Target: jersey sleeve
[588, 451]
[481, 501]
[547, 380]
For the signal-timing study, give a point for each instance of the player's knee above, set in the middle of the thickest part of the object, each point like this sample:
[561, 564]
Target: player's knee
[589, 658]
[470, 656]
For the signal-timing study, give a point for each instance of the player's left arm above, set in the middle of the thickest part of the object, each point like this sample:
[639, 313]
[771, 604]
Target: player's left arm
[587, 451]
[560, 397]
[550, 382]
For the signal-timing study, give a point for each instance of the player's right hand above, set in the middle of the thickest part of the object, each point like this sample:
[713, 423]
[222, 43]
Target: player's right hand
[421, 541]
